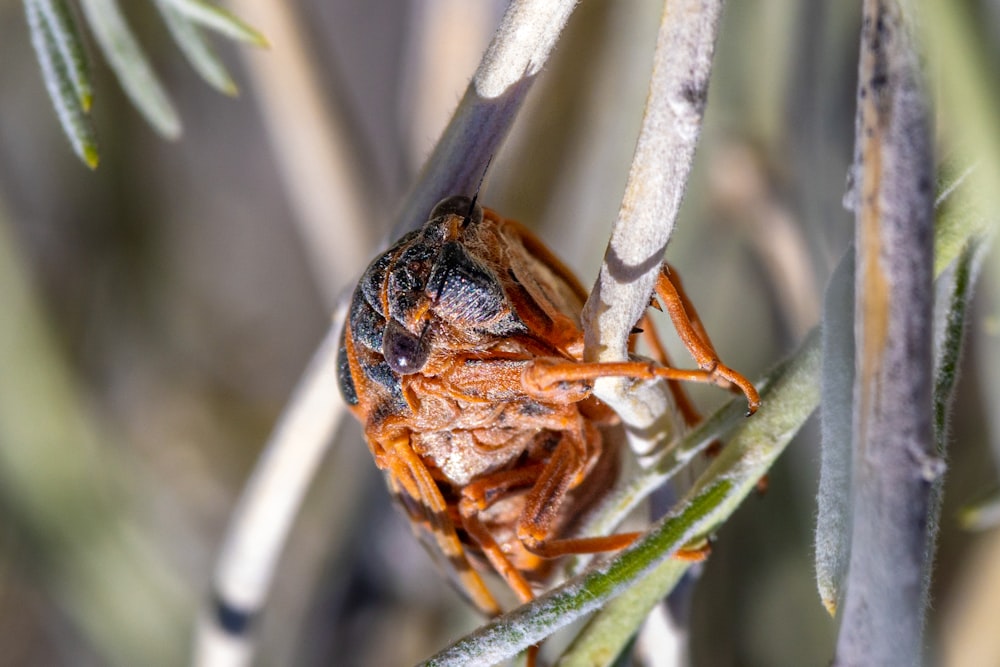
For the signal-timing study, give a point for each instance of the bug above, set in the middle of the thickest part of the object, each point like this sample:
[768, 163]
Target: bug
[462, 357]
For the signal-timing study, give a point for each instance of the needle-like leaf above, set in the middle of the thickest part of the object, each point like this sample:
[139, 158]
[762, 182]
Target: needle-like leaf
[833, 516]
[894, 463]
[131, 65]
[66, 36]
[58, 74]
[192, 43]
[218, 19]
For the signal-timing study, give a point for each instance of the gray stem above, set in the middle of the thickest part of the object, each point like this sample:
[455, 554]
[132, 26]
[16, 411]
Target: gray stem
[894, 459]
[656, 183]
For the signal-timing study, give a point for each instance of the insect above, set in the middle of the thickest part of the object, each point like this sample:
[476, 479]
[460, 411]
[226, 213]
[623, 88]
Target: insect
[463, 359]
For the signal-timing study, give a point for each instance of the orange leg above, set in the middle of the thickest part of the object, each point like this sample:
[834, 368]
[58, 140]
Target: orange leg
[541, 510]
[683, 401]
[692, 333]
[478, 496]
[559, 379]
[550, 378]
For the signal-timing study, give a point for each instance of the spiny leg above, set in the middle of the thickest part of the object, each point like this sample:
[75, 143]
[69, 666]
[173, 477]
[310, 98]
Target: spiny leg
[541, 510]
[659, 352]
[552, 378]
[480, 495]
[692, 333]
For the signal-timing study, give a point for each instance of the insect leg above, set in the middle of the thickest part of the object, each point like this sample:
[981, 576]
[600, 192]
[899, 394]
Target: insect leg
[688, 411]
[548, 377]
[478, 496]
[553, 378]
[692, 333]
[542, 510]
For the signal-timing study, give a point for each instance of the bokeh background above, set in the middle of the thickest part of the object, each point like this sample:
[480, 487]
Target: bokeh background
[155, 315]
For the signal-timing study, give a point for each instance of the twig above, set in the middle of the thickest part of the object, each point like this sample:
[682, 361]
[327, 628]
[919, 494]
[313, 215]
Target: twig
[894, 462]
[655, 187]
[522, 44]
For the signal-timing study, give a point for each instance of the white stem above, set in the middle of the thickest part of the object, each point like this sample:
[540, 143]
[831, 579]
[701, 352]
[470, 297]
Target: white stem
[486, 113]
[270, 502]
[656, 183]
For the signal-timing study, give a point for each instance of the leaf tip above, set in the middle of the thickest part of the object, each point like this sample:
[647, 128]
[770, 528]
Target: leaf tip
[830, 604]
[170, 128]
[259, 40]
[90, 157]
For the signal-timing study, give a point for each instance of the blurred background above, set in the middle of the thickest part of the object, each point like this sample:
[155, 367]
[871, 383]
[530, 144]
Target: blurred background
[156, 313]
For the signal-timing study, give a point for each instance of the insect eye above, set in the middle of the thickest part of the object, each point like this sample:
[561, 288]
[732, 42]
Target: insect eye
[458, 205]
[404, 352]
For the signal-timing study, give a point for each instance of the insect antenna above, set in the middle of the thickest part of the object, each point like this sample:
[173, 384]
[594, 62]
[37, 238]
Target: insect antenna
[479, 186]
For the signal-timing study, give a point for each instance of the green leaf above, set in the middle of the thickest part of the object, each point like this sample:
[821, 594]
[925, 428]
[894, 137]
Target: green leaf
[131, 65]
[192, 43]
[833, 512]
[981, 515]
[66, 36]
[216, 18]
[56, 72]
[960, 213]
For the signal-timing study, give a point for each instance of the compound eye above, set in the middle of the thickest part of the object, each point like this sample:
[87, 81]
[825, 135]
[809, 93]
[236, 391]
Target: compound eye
[459, 205]
[404, 352]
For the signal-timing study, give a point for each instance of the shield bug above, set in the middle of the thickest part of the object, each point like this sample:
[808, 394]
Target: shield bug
[463, 359]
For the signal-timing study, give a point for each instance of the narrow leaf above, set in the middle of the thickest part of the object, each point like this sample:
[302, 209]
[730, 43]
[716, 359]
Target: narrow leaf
[192, 43]
[66, 35]
[833, 518]
[894, 461]
[220, 20]
[959, 213]
[955, 291]
[72, 116]
[506, 636]
[981, 515]
[131, 66]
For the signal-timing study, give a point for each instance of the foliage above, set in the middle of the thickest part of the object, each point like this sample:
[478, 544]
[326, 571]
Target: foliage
[56, 36]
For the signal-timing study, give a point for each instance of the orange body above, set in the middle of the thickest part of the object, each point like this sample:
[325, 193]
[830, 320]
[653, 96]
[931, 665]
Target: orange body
[462, 358]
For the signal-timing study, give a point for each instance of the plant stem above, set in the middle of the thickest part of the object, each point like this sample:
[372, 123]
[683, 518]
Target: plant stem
[894, 461]
[656, 183]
